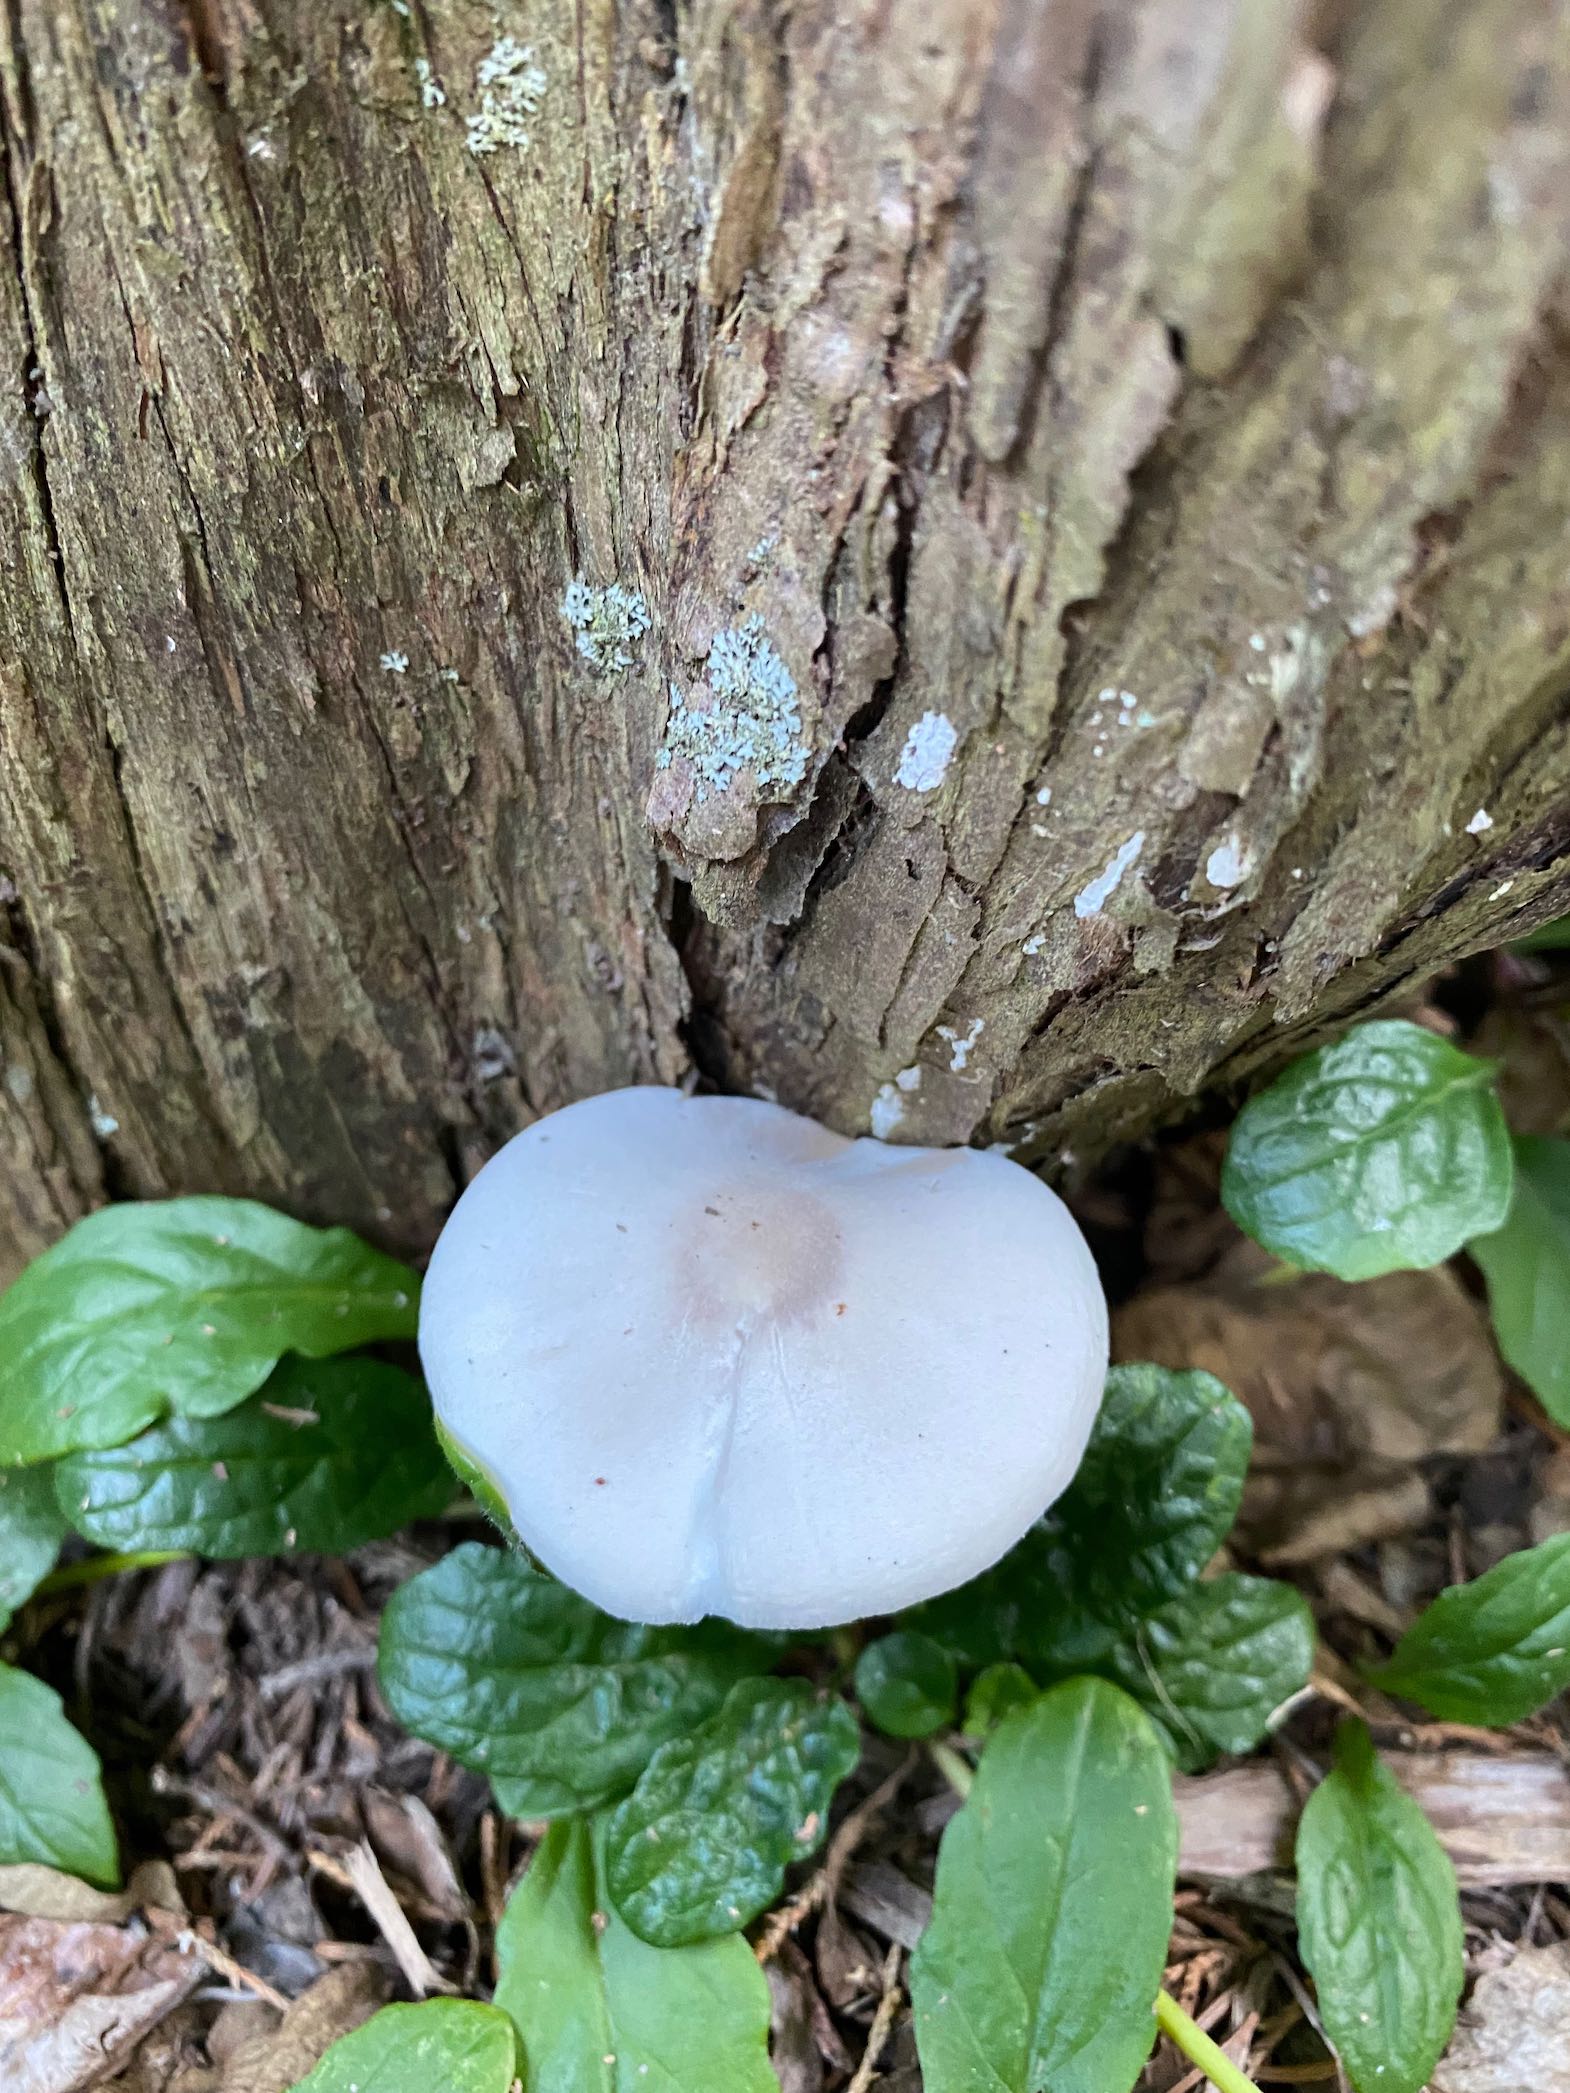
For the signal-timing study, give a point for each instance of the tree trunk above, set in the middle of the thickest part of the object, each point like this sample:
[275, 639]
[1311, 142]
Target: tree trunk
[1083, 493]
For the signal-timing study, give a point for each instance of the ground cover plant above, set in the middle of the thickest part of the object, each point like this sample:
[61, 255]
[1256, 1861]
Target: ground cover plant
[201, 1381]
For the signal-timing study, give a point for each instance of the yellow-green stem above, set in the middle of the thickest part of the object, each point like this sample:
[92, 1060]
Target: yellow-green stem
[1197, 2046]
[846, 1645]
[956, 1771]
[94, 1567]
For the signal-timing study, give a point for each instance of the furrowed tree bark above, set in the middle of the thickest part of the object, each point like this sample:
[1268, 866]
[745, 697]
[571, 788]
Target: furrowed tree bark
[1140, 432]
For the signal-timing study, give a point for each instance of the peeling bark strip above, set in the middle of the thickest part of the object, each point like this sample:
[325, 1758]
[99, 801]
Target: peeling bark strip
[968, 561]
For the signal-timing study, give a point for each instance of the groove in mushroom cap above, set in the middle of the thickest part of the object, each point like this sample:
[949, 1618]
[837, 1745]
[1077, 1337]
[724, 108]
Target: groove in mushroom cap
[717, 1359]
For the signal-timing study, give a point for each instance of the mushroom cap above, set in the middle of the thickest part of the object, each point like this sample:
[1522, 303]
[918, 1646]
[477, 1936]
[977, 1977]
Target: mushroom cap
[717, 1359]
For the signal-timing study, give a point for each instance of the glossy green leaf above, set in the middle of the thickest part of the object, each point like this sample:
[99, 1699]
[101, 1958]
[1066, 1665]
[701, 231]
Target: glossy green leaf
[1213, 1666]
[994, 1693]
[1052, 1905]
[31, 1530]
[52, 1806]
[522, 1679]
[1154, 1499]
[1378, 1921]
[1550, 937]
[1495, 1650]
[702, 1843]
[439, 2046]
[330, 1454]
[1382, 1152]
[1157, 1491]
[908, 1684]
[1527, 1266]
[999, 1614]
[178, 1305]
[599, 2011]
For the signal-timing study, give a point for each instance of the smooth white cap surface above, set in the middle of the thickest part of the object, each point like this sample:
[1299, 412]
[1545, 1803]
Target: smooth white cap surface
[719, 1360]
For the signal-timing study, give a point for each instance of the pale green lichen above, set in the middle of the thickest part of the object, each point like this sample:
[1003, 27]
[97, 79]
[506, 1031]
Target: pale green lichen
[745, 718]
[510, 86]
[607, 624]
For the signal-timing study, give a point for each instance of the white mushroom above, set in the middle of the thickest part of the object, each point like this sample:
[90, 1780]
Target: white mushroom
[716, 1359]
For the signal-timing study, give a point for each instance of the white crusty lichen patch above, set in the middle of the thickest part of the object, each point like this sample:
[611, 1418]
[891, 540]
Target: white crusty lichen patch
[745, 717]
[925, 758]
[962, 1044]
[510, 87]
[607, 624]
[1094, 895]
[1229, 864]
[888, 1107]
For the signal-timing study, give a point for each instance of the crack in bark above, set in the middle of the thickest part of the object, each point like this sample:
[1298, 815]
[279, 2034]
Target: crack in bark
[701, 1029]
[34, 391]
[204, 28]
[1040, 382]
[20, 937]
[33, 375]
[463, 1060]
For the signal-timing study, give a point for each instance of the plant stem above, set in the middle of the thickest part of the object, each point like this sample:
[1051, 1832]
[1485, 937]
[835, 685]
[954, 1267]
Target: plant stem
[955, 1770]
[1197, 2046]
[846, 1645]
[97, 1566]
[1281, 1274]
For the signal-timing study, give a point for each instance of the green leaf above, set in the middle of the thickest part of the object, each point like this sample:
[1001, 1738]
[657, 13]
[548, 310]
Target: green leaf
[1378, 1920]
[1527, 1266]
[522, 1679]
[1492, 1651]
[31, 1530]
[1052, 1905]
[455, 2045]
[331, 1454]
[908, 1684]
[599, 2011]
[1549, 937]
[181, 1305]
[1157, 1491]
[52, 1806]
[1213, 1666]
[998, 1615]
[1380, 1153]
[1154, 1499]
[996, 1692]
[701, 1845]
